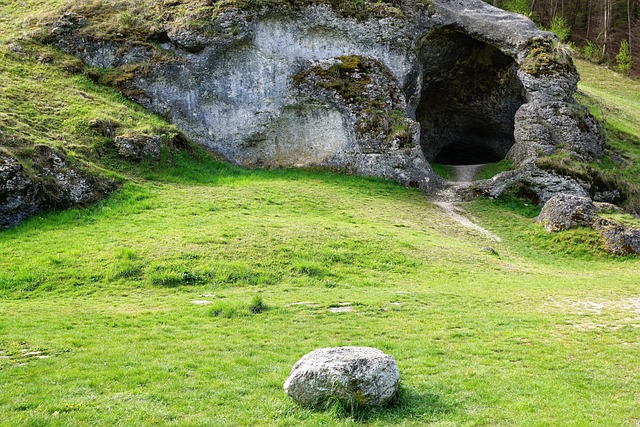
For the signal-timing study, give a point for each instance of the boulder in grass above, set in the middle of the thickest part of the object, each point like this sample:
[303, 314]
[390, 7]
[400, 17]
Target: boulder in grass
[354, 376]
[564, 211]
[618, 238]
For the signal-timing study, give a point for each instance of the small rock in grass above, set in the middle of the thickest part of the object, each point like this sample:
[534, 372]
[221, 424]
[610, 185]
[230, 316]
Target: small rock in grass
[341, 309]
[354, 376]
[490, 250]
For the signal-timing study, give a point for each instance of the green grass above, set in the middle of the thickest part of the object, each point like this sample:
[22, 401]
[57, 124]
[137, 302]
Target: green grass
[617, 97]
[492, 169]
[615, 100]
[510, 338]
[444, 171]
[103, 319]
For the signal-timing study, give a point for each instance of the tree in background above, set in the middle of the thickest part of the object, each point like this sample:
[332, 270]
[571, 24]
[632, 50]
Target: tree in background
[624, 60]
[562, 29]
[597, 27]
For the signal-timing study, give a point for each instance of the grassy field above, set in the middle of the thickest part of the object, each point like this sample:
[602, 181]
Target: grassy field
[102, 322]
[136, 311]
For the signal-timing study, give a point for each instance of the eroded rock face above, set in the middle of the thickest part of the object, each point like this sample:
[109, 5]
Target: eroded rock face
[618, 238]
[51, 183]
[355, 376]
[139, 147]
[455, 82]
[566, 211]
[19, 193]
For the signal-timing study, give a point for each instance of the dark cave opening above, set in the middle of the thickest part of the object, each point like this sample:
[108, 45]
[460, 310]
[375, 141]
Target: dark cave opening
[466, 153]
[470, 95]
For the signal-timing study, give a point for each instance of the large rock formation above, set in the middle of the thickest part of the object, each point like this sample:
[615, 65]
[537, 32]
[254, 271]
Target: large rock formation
[441, 81]
[565, 211]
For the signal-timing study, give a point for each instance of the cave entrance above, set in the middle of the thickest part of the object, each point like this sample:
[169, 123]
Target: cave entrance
[466, 153]
[470, 95]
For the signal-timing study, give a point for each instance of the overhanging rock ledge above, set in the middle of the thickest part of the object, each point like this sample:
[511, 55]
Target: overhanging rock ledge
[441, 81]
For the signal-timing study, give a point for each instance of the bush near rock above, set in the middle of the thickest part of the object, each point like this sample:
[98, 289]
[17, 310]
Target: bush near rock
[353, 376]
[565, 211]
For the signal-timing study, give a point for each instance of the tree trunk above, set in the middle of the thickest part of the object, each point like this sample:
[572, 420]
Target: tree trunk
[606, 24]
[589, 7]
[629, 24]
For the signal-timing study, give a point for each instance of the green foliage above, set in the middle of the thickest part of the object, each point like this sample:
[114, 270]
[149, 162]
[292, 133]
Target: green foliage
[229, 309]
[548, 57]
[257, 305]
[624, 60]
[592, 52]
[522, 7]
[561, 28]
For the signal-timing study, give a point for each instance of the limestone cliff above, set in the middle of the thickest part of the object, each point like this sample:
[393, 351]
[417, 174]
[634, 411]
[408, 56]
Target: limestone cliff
[385, 94]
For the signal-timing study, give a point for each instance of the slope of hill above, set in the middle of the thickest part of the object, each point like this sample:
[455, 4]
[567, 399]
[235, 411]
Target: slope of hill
[136, 311]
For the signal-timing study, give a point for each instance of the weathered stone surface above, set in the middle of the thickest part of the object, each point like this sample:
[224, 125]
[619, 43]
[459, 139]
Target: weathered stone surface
[540, 185]
[105, 127]
[139, 147]
[566, 211]
[353, 375]
[617, 237]
[451, 81]
[50, 184]
[604, 207]
[19, 192]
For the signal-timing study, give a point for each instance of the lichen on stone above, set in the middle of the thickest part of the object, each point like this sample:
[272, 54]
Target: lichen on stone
[547, 57]
[369, 91]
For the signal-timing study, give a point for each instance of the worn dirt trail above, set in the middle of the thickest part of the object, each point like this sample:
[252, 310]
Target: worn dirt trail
[465, 173]
[449, 197]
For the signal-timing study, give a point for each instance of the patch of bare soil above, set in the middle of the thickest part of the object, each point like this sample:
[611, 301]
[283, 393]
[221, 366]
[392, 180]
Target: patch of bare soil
[602, 314]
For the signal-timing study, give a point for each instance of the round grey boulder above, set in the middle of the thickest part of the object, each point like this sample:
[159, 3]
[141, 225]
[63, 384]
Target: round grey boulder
[354, 376]
[564, 211]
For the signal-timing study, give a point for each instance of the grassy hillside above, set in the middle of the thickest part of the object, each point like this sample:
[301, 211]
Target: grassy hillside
[615, 101]
[137, 311]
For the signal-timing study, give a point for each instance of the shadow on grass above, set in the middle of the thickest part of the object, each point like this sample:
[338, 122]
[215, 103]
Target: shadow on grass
[411, 404]
[201, 168]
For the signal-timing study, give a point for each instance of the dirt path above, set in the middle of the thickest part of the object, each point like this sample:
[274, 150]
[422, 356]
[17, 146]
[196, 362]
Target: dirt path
[465, 173]
[456, 213]
[449, 196]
